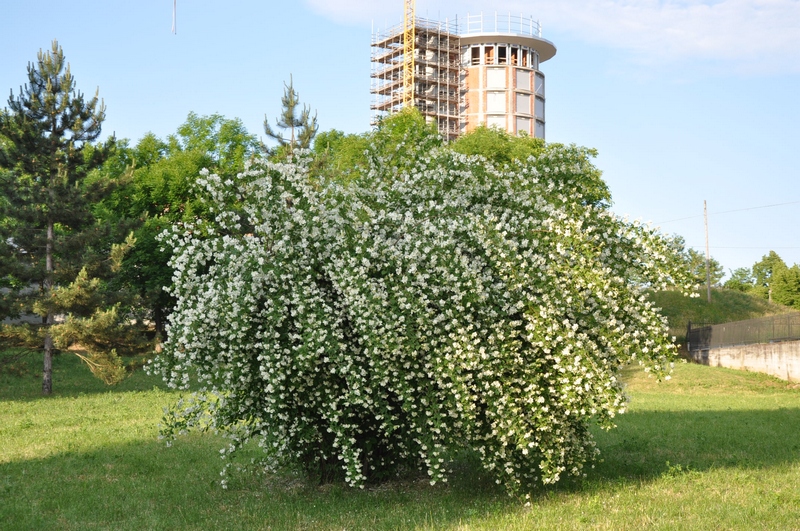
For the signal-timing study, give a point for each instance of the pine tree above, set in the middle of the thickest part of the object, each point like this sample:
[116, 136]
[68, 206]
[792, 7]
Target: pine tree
[55, 249]
[302, 128]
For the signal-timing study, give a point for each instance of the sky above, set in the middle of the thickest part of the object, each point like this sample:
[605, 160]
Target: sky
[686, 101]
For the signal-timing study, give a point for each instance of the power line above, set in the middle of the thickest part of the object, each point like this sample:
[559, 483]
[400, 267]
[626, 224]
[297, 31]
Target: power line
[755, 208]
[759, 247]
[729, 211]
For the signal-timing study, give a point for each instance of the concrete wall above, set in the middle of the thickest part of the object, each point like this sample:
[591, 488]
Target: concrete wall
[776, 359]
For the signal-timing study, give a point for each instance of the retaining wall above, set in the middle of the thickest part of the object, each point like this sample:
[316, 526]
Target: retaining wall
[780, 359]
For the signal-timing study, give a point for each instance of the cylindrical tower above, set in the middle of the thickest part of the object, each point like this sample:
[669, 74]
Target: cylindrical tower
[502, 85]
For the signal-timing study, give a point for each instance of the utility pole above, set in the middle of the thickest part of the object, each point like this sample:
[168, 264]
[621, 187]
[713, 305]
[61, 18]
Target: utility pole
[708, 255]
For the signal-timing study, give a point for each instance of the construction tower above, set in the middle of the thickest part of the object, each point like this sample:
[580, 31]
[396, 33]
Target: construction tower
[484, 73]
[425, 75]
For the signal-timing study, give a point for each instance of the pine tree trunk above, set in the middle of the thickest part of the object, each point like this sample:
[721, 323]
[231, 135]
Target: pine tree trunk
[47, 370]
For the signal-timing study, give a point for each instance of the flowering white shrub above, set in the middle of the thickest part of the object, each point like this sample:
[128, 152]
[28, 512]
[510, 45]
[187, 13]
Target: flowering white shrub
[412, 313]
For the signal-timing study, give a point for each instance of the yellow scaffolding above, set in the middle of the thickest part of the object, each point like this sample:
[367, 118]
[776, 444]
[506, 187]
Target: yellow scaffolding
[432, 82]
[409, 22]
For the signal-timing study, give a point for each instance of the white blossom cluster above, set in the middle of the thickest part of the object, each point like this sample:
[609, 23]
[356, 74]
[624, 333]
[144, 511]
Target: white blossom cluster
[413, 313]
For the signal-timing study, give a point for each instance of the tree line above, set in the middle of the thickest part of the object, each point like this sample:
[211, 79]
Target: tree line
[82, 268]
[357, 304]
[770, 278]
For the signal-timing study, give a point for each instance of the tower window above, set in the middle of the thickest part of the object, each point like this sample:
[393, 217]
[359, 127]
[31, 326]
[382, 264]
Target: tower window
[523, 103]
[523, 126]
[540, 108]
[539, 133]
[496, 78]
[496, 121]
[523, 79]
[496, 102]
[539, 84]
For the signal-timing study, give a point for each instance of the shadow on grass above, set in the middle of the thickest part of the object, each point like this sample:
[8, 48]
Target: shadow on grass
[149, 486]
[71, 378]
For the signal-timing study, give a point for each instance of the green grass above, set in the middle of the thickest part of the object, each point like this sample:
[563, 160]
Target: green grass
[709, 449]
[725, 306]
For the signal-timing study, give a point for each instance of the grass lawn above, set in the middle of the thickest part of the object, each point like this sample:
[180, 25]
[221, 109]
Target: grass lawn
[710, 449]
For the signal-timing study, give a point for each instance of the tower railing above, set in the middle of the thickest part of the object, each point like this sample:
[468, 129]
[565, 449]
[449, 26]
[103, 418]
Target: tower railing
[504, 24]
[395, 33]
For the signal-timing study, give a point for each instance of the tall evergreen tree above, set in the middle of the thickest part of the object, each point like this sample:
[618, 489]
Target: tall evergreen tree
[49, 147]
[302, 128]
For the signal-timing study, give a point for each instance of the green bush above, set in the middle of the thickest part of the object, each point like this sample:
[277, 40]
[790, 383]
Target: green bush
[425, 307]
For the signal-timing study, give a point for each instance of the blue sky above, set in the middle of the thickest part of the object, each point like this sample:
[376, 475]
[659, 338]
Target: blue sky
[685, 100]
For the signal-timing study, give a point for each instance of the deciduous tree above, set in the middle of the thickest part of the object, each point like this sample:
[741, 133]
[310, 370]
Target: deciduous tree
[159, 192]
[503, 149]
[696, 262]
[763, 272]
[785, 285]
[741, 280]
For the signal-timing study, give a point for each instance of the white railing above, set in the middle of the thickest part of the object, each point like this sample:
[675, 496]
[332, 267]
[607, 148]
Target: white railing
[505, 24]
[446, 26]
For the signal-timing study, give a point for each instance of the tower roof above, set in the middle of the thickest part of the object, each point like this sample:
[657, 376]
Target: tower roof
[509, 29]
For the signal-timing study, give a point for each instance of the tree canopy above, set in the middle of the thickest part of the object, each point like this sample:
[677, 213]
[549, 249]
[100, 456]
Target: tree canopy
[159, 192]
[504, 149]
[741, 279]
[769, 278]
[764, 271]
[697, 265]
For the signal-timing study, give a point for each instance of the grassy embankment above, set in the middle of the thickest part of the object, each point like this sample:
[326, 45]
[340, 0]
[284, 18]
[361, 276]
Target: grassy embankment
[709, 449]
[725, 306]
